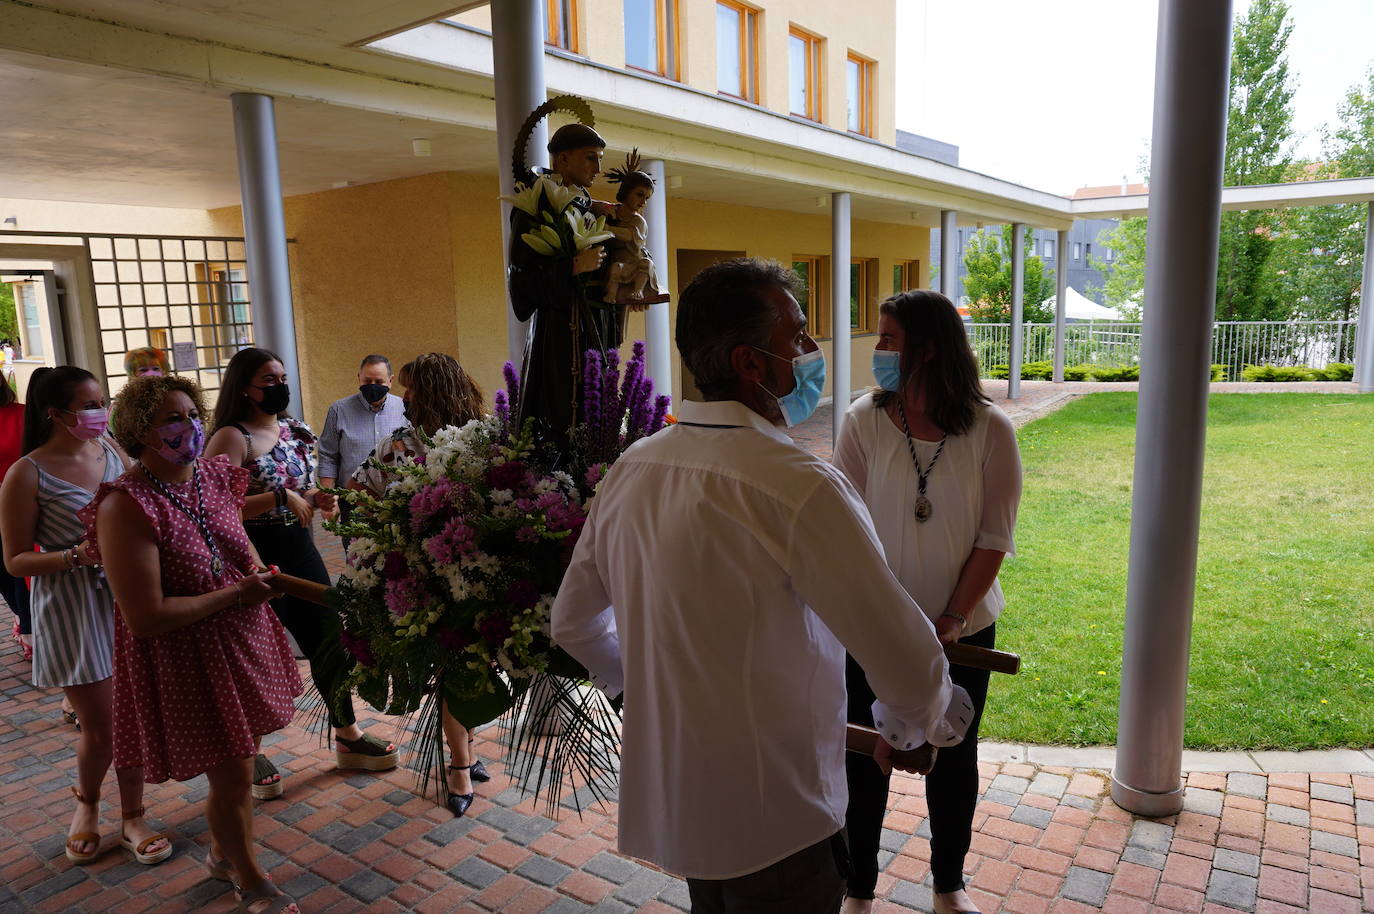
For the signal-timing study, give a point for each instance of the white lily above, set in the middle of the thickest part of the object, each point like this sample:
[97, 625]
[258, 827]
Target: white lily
[525, 199]
[586, 230]
[559, 197]
[539, 245]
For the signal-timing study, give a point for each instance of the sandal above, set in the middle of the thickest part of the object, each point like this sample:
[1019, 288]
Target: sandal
[458, 803]
[278, 901]
[69, 717]
[140, 850]
[83, 837]
[367, 753]
[264, 788]
[25, 646]
[218, 868]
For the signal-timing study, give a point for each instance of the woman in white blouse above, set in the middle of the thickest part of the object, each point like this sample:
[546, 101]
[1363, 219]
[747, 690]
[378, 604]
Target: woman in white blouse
[938, 467]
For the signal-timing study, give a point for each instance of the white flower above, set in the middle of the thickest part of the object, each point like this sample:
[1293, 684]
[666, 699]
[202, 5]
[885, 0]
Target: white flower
[502, 496]
[559, 197]
[525, 199]
[586, 230]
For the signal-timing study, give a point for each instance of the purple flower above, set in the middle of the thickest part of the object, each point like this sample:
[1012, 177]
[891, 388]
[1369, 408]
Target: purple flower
[429, 501]
[451, 639]
[527, 535]
[522, 594]
[503, 408]
[512, 384]
[513, 475]
[495, 629]
[453, 542]
[360, 648]
[395, 566]
[403, 595]
[660, 413]
[594, 474]
[592, 375]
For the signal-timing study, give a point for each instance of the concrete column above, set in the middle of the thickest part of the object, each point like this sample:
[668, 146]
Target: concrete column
[657, 326]
[839, 309]
[949, 255]
[1191, 63]
[1018, 309]
[1364, 338]
[264, 232]
[517, 48]
[1061, 299]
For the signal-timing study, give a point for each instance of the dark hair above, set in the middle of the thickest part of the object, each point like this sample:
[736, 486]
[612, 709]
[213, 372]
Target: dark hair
[7, 394]
[232, 405]
[441, 393]
[49, 388]
[950, 376]
[574, 136]
[629, 176]
[139, 400]
[723, 307]
[375, 359]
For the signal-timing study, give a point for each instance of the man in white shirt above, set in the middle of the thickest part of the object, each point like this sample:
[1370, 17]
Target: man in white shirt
[721, 575]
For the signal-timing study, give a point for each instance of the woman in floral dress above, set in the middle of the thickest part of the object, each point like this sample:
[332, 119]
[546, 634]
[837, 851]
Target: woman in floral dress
[253, 431]
[203, 668]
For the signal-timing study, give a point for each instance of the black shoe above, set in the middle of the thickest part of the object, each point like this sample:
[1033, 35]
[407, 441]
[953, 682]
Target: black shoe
[458, 803]
[479, 772]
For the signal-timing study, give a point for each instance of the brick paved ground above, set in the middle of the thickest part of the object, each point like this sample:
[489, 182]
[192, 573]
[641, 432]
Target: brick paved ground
[1047, 839]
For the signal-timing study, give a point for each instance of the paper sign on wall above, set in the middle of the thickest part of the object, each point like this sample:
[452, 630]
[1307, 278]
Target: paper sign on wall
[184, 357]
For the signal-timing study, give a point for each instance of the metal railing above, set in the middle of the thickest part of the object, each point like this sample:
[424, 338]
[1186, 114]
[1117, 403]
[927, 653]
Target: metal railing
[1110, 344]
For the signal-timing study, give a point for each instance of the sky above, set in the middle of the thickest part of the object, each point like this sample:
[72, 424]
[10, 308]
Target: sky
[1059, 95]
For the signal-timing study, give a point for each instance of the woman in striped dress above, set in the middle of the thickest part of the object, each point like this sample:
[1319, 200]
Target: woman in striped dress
[66, 458]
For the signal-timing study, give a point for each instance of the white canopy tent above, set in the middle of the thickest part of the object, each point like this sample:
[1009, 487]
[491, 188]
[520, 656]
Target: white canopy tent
[1078, 307]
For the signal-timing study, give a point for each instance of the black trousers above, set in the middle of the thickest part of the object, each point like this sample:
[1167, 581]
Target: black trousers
[315, 628]
[811, 881]
[951, 787]
[16, 593]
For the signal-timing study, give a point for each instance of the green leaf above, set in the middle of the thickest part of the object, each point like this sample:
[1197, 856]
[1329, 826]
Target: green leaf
[473, 710]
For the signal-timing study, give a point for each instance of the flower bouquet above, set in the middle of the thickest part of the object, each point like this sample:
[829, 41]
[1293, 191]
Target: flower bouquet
[453, 569]
[550, 225]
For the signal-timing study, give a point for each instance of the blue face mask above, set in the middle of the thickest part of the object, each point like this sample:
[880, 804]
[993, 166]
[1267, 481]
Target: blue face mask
[887, 369]
[808, 371]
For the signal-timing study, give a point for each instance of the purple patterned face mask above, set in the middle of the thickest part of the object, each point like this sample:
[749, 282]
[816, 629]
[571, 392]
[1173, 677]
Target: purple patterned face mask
[182, 441]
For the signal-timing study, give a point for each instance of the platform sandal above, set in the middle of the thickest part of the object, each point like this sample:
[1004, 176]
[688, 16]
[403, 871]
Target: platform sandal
[277, 900]
[366, 753]
[264, 788]
[458, 803]
[83, 837]
[140, 850]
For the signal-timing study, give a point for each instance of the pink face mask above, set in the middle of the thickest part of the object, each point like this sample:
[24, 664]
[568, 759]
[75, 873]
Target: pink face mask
[90, 423]
[182, 441]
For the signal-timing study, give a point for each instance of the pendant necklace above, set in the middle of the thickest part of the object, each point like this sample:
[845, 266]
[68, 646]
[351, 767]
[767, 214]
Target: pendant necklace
[923, 506]
[216, 562]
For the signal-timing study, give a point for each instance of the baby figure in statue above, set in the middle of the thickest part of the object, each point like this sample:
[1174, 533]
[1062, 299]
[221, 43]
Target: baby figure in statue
[630, 279]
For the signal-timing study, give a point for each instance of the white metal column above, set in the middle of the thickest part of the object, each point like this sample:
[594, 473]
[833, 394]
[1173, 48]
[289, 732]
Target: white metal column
[656, 322]
[839, 309]
[1018, 309]
[1364, 338]
[949, 255]
[264, 232]
[1191, 63]
[517, 48]
[1061, 298]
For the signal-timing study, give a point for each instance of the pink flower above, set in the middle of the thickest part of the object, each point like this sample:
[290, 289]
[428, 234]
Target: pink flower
[512, 475]
[456, 540]
[453, 640]
[527, 535]
[360, 648]
[403, 595]
[432, 499]
[495, 629]
[522, 594]
[594, 474]
[395, 566]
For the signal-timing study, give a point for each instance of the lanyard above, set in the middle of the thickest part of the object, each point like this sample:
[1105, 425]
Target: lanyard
[216, 561]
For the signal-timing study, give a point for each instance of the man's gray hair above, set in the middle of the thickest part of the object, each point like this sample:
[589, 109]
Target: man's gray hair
[724, 306]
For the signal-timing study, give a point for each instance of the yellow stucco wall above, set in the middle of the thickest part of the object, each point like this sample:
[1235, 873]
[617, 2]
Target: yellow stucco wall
[865, 27]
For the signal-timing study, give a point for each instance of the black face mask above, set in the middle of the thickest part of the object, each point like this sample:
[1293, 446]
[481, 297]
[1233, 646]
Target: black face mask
[405, 411]
[275, 399]
[374, 393]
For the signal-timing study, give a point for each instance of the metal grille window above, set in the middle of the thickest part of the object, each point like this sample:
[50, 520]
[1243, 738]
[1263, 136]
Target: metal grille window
[187, 296]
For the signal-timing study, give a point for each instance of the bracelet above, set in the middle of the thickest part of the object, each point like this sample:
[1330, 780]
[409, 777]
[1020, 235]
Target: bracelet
[281, 498]
[67, 561]
[963, 620]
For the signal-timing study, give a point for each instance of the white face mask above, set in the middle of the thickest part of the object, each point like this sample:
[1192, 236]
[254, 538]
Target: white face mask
[808, 370]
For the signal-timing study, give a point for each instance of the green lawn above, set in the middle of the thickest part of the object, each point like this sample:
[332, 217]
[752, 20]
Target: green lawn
[1282, 651]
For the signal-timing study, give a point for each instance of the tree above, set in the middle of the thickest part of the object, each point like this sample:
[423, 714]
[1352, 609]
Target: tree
[1125, 283]
[987, 258]
[1259, 127]
[9, 319]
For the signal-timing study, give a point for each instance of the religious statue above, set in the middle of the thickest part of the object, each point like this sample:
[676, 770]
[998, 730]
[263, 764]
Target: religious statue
[630, 280]
[555, 256]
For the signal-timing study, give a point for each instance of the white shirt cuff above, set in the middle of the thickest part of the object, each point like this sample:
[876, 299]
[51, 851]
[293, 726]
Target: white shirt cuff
[948, 731]
[602, 660]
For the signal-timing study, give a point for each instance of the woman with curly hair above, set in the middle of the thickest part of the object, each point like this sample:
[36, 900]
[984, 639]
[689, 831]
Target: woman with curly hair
[438, 394]
[252, 429]
[202, 667]
[66, 456]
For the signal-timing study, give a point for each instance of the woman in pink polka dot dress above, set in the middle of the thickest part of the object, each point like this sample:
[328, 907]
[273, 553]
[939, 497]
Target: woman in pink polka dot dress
[203, 668]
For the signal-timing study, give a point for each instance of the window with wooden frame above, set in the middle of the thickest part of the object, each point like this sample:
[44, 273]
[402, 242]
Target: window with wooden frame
[859, 95]
[863, 295]
[812, 298]
[804, 74]
[651, 37]
[560, 20]
[905, 275]
[737, 57]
